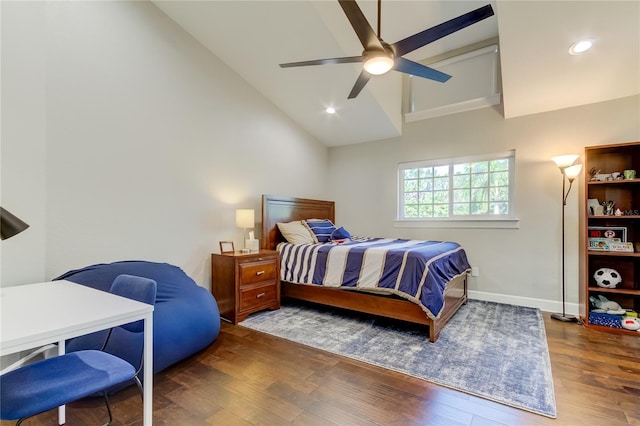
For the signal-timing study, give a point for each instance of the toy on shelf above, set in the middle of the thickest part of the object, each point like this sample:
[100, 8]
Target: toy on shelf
[607, 278]
[631, 323]
[606, 306]
[608, 207]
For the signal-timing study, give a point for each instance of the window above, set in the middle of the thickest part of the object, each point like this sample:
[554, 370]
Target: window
[466, 188]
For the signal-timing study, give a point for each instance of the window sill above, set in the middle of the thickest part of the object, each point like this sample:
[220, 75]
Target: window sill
[460, 223]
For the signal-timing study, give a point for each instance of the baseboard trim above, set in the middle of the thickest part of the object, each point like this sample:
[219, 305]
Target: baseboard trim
[542, 304]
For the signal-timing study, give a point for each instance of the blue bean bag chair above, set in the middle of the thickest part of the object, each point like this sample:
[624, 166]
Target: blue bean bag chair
[185, 320]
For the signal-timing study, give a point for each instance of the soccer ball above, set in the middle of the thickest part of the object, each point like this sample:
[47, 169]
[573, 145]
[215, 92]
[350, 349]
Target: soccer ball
[607, 277]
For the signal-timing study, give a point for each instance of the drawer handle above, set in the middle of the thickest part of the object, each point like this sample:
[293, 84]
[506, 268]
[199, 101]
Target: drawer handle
[259, 272]
[260, 295]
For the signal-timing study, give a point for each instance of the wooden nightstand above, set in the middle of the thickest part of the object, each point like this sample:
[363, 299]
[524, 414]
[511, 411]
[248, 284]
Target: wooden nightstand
[244, 283]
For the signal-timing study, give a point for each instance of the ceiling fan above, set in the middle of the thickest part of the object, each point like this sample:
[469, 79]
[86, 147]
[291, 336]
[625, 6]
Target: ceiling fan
[379, 57]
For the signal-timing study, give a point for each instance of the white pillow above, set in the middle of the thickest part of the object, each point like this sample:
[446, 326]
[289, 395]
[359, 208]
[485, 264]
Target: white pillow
[296, 233]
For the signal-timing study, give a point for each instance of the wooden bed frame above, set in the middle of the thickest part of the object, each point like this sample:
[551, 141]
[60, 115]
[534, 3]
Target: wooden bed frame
[286, 209]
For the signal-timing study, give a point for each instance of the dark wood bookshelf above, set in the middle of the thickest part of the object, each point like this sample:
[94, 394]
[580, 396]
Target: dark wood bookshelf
[625, 193]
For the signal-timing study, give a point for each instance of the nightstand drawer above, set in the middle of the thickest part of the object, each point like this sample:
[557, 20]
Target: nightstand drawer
[257, 271]
[256, 296]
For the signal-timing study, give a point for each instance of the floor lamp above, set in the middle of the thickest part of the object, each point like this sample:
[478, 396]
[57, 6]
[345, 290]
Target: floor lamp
[569, 172]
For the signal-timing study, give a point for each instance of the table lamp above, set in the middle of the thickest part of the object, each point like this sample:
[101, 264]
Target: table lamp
[245, 219]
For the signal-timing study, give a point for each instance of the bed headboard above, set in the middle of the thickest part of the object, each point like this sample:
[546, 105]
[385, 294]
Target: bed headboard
[285, 209]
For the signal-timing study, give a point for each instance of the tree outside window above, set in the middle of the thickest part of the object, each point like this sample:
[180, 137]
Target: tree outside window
[457, 188]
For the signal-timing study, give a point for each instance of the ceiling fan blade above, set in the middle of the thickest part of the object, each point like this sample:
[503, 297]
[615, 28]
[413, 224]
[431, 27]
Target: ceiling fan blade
[345, 60]
[362, 80]
[360, 25]
[409, 67]
[432, 34]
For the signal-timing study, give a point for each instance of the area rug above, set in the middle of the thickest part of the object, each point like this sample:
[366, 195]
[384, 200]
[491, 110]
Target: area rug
[494, 351]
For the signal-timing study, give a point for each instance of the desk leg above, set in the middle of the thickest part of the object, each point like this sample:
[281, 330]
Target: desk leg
[148, 371]
[62, 415]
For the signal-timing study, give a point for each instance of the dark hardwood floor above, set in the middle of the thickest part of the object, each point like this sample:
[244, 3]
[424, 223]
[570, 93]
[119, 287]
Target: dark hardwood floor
[249, 378]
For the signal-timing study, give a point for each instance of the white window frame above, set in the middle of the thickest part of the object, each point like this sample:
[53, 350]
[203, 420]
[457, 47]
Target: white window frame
[508, 220]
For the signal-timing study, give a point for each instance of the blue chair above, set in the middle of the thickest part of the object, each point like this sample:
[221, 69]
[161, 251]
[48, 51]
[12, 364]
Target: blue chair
[56, 381]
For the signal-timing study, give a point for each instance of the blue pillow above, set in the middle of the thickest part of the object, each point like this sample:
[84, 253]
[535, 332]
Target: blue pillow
[322, 229]
[340, 234]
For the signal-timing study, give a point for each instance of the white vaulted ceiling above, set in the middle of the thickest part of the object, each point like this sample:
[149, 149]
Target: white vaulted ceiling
[538, 74]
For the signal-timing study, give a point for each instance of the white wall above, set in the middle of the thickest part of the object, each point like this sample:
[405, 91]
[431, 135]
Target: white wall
[123, 138]
[521, 266]
[22, 171]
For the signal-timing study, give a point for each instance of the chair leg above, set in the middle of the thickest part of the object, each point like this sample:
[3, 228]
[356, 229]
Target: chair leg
[139, 384]
[106, 400]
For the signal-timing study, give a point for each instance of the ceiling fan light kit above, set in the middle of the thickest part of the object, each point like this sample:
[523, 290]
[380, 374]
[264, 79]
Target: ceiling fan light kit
[379, 57]
[378, 65]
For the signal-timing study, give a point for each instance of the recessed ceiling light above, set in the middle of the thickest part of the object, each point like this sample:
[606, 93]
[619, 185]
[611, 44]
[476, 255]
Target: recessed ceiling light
[580, 46]
[330, 110]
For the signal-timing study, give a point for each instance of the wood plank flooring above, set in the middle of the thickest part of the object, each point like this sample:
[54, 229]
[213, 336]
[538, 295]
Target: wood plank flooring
[249, 378]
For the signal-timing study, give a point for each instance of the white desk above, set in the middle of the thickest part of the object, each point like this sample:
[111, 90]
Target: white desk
[38, 314]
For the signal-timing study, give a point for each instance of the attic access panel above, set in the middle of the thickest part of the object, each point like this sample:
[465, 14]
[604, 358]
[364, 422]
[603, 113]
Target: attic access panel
[474, 84]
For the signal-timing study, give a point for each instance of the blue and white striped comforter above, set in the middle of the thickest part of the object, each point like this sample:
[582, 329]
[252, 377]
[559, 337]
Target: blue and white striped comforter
[414, 270]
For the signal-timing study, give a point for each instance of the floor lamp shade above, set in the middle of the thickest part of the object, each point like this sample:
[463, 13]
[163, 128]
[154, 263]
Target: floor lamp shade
[572, 172]
[564, 161]
[10, 225]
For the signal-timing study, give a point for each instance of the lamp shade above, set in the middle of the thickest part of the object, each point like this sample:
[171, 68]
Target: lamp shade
[564, 161]
[10, 225]
[245, 218]
[573, 171]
